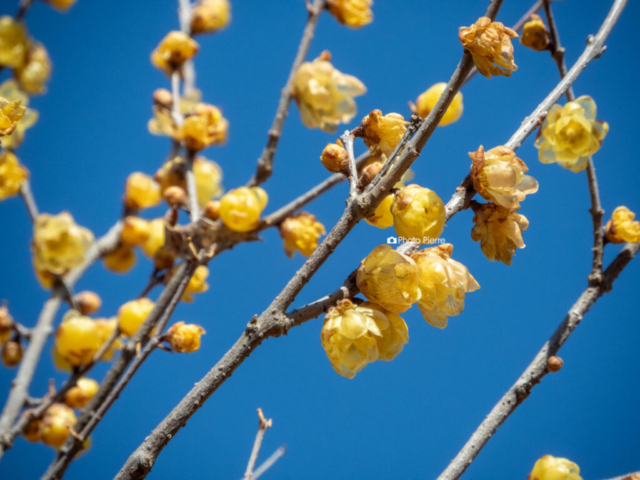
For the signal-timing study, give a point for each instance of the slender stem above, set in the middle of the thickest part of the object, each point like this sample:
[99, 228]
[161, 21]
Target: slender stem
[628, 476]
[263, 426]
[265, 162]
[23, 8]
[347, 138]
[268, 463]
[536, 371]
[29, 201]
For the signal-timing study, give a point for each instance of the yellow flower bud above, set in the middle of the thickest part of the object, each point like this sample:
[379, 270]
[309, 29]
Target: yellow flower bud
[84, 390]
[13, 42]
[197, 284]
[11, 353]
[335, 158]
[141, 191]
[208, 176]
[212, 210]
[555, 468]
[132, 315]
[106, 327]
[174, 49]
[324, 95]
[12, 174]
[6, 323]
[427, 100]
[418, 213]
[184, 338]
[300, 234]
[34, 74]
[535, 34]
[62, 5]
[205, 127]
[10, 91]
[10, 114]
[210, 16]
[490, 46]
[59, 244]
[88, 302]
[369, 173]
[163, 97]
[383, 133]
[389, 279]
[570, 134]
[57, 422]
[240, 209]
[32, 430]
[622, 228]
[443, 284]
[120, 260]
[77, 338]
[353, 13]
[382, 217]
[499, 176]
[156, 237]
[499, 231]
[135, 231]
[164, 259]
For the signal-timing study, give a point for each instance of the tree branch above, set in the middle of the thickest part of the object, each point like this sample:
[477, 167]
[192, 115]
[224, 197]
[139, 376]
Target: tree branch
[268, 463]
[263, 426]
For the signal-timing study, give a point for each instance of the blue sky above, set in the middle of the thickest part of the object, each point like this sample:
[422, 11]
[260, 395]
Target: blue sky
[400, 420]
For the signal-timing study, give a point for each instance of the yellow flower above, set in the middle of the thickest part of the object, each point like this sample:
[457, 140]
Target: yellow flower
[62, 5]
[353, 13]
[490, 46]
[197, 284]
[77, 338]
[106, 327]
[11, 91]
[354, 336]
[210, 16]
[12, 174]
[204, 127]
[88, 302]
[120, 260]
[324, 95]
[132, 315]
[621, 228]
[499, 231]
[57, 422]
[10, 114]
[184, 338]
[240, 209]
[535, 34]
[570, 134]
[335, 158]
[499, 176]
[135, 231]
[382, 217]
[428, 99]
[6, 323]
[34, 74]
[418, 213]
[174, 49]
[383, 133]
[58, 243]
[555, 468]
[13, 42]
[443, 283]
[301, 233]
[141, 191]
[156, 237]
[12, 353]
[79, 395]
[389, 279]
[208, 175]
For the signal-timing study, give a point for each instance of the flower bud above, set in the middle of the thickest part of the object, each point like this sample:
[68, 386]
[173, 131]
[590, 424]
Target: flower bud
[212, 210]
[490, 46]
[535, 34]
[32, 430]
[6, 323]
[553, 468]
[11, 353]
[240, 209]
[418, 213]
[57, 422]
[383, 133]
[427, 101]
[120, 260]
[184, 338]
[34, 74]
[369, 173]
[79, 395]
[14, 42]
[174, 49]
[554, 364]
[209, 16]
[163, 97]
[132, 315]
[352, 13]
[622, 228]
[88, 302]
[382, 217]
[77, 338]
[175, 197]
[335, 158]
[301, 233]
[141, 191]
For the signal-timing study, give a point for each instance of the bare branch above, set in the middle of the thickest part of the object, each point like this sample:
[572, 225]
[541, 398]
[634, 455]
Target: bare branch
[263, 426]
[628, 476]
[265, 162]
[27, 197]
[268, 463]
[347, 138]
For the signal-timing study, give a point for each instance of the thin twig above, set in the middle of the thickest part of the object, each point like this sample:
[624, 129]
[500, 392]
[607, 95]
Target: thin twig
[268, 463]
[263, 426]
[23, 8]
[347, 139]
[628, 476]
[265, 162]
[27, 197]
[538, 367]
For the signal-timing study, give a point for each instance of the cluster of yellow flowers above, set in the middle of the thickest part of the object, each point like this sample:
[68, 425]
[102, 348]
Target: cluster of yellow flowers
[53, 428]
[554, 468]
[356, 335]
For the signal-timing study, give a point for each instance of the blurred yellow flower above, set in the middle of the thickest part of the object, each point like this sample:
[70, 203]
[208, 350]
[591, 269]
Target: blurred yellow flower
[156, 237]
[204, 127]
[499, 176]
[197, 284]
[56, 425]
[120, 260]
[174, 49]
[79, 395]
[132, 315]
[184, 338]
[12, 174]
[240, 209]
[106, 327]
[208, 175]
[443, 284]
[418, 214]
[382, 133]
[570, 134]
[141, 191]
[77, 338]
[382, 217]
[535, 34]
[209, 16]
[34, 74]
[622, 228]
[499, 231]
[555, 468]
[6, 323]
[135, 231]
[353, 13]
[10, 114]
[389, 279]
[427, 100]
[300, 234]
[490, 46]
[14, 43]
[324, 95]
[11, 91]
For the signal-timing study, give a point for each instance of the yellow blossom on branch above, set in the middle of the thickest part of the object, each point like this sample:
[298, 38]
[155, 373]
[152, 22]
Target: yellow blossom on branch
[382, 133]
[209, 16]
[443, 284]
[499, 231]
[427, 101]
[418, 213]
[184, 338]
[6, 323]
[132, 315]
[382, 217]
[10, 91]
[499, 176]
[141, 191]
[10, 114]
[14, 43]
[622, 228]
[570, 134]
[34, 74]
[79, 395]
[12, 175]
[555, 468]
[135, 231]
[106, 328]
[489, 44]
[204, 127]
[335, 158]
[300, 234]
[353, 13]
[197, 283]
[77, 338]
[120, 260]
[56, 425]
[535, 34]
[324, 95]
[174, 49]
[240, 209]
[156, 238]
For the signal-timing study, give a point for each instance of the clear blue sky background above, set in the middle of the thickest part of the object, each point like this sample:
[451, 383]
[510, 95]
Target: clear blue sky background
[400, 420]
